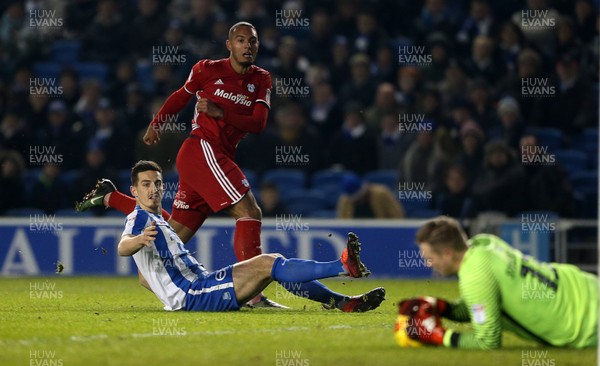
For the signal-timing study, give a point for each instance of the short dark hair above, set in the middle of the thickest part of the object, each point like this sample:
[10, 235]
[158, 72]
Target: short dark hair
[239, 24]
[143, 166]
[442, 232]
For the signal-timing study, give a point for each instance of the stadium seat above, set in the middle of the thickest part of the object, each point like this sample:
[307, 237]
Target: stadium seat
[425, 213]
[70, 212]
[571, 160]
[304, 202]
[388, 178]
[46, 70]
[144, 76]
[286, 179]
[24, 212]
[69, 177]
[547, 136]
[585, 181]
[124, 180]
[92, 70]
[322, 214]
[412, 206]
[330, 182]
[65, 51]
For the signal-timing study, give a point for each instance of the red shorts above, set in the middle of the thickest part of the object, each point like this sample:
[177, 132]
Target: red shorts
[209, 181]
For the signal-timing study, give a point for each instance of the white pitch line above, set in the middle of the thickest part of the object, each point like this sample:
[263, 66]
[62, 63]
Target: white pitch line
[95, 337]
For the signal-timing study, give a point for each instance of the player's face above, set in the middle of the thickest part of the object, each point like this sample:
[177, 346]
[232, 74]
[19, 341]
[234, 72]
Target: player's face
[243, 45]
[442, 263]
[149, 190]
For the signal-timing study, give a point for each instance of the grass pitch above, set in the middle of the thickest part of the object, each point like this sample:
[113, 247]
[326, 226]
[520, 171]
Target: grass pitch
[65, 321]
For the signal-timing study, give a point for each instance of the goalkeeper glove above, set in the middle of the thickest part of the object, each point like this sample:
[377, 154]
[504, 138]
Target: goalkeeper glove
[440, 307]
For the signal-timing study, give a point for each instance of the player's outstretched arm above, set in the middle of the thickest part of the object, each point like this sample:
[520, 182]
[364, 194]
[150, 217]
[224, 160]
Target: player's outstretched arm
[254, 123]
[174, 103]
[131, 244]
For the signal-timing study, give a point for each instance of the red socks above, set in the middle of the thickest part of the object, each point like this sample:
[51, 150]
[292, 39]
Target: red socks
[126, 204]
[246, 239]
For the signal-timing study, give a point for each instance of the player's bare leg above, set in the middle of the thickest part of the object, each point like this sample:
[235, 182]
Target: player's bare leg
[246, 239]
[184, 233]
[252, 276]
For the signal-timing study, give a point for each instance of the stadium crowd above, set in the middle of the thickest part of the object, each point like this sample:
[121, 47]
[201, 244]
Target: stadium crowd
[487, 105]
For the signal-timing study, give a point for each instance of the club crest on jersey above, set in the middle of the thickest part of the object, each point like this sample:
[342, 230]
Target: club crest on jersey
[250, 88]
[237, 99]
[245, 183]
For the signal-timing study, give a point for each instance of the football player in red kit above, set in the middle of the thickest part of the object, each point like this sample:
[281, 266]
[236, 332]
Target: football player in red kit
[233, 99]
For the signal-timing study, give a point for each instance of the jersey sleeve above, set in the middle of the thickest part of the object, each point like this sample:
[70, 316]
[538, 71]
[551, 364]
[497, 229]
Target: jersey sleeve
[480, 292]
[136, 222]
[264, 93]
[196, 78]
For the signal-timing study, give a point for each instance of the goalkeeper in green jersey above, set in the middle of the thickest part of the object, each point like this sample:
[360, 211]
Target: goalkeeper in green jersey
[501, 289]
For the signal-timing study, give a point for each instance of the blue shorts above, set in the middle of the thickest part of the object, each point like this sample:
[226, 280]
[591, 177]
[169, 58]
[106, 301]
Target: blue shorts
[214, 292]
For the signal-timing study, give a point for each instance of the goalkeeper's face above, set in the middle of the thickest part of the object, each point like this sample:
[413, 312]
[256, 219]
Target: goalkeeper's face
[148, 191]
[243, 45]
[442, 261]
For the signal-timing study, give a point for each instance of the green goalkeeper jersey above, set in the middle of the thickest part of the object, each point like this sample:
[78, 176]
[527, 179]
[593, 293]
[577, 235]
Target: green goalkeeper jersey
[503, 289]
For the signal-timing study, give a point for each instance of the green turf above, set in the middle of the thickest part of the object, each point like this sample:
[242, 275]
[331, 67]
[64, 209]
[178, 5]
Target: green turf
[113, 321]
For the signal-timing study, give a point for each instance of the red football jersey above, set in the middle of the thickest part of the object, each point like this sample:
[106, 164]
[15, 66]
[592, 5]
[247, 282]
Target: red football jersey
[216, 81]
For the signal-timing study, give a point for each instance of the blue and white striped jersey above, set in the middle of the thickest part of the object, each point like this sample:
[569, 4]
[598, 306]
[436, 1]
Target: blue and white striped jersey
[167, 266]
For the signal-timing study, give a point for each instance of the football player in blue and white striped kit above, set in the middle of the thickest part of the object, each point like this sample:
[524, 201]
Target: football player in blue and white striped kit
[168, 270]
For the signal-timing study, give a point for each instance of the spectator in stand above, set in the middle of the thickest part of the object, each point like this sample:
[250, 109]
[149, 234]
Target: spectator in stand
[548, 186]
[385, 67]
[292, 144]
[585, 20]
[454, 84]
[542, 37]
[320, 38]
[104, 39]
[355, 146]
[69, 80]
[434, 17]
[385, 103]
[511, 43]
[454, 197]
[483, 111]
[11, 180]
[269, 200]
[88, 101]
[48, 192]
[502, 184]
[369, 36]
[511, 125]
[340, 55]
[325, 113]
[479, 22]
[13, 135]
[109, 136]
[96, 167]
[147, 27]
[409, 84]
[62, 135]
[484, 62]
[470, 156]
[392, 143]
[124, 76]
[361, 85]
[440, 57]
[566, 39]
[424, 161]
[529, 67]
[367, 200]
[571, 107]
[290, 64]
